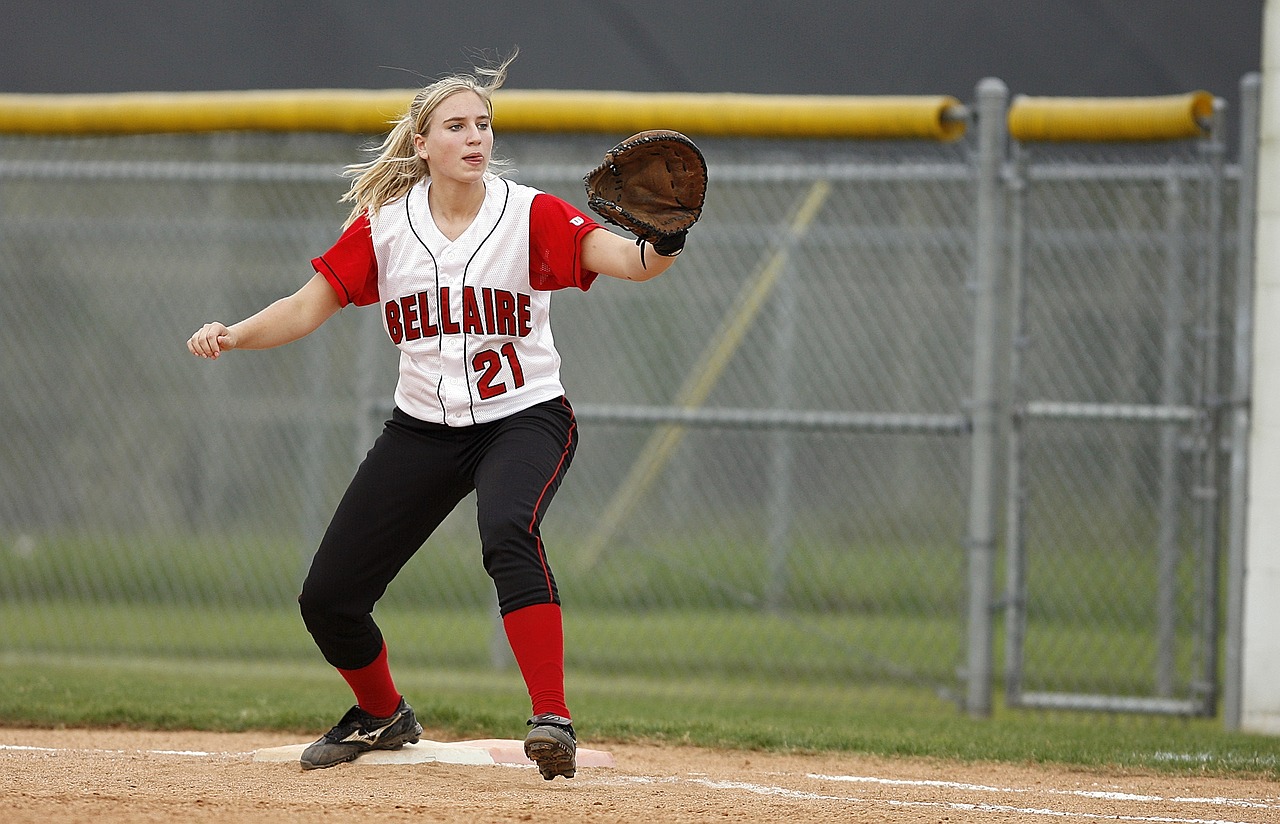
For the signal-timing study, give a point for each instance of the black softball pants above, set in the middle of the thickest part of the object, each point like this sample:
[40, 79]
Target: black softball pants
[415, 474]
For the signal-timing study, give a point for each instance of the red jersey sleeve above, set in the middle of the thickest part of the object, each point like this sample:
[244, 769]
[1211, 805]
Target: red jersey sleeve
[556, 230]
[350, 265]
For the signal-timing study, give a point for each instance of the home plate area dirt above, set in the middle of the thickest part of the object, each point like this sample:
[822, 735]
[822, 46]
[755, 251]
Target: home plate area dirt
[109, 776]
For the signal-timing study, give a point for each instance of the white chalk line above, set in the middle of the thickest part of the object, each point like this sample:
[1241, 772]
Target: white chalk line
[802, 795]
[187, 753]
[1102, 794]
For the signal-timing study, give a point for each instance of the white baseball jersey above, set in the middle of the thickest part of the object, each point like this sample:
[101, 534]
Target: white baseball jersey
[471, 316]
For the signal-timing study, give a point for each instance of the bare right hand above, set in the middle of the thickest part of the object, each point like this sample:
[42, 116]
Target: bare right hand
[211, 340]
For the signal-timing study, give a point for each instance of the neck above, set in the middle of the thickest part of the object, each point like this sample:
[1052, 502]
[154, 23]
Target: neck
[454, 205]
[450, 198]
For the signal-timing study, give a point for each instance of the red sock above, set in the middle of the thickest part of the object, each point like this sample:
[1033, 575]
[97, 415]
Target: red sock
[536, 635]
[375, 692]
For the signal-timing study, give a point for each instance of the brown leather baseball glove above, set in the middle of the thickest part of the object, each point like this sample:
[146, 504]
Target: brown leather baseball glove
[652, 184]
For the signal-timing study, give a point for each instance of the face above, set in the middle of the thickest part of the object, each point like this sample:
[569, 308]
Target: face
[458, 141]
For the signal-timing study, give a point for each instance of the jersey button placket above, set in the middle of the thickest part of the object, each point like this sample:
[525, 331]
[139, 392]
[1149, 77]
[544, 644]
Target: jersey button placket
[452, 346]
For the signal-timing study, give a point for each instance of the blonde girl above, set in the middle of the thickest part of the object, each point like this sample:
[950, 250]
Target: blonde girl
[461, 263]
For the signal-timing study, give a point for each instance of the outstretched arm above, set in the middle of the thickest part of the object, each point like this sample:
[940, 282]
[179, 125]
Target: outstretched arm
[284, 321]
[618, 257]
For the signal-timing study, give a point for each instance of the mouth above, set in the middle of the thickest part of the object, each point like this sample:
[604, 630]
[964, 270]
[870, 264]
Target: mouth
[473, 158]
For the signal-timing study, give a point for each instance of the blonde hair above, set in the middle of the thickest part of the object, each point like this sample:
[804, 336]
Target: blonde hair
[397, 167]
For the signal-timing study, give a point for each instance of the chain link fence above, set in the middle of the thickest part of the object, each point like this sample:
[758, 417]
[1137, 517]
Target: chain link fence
[774, 472]
[1115, 491]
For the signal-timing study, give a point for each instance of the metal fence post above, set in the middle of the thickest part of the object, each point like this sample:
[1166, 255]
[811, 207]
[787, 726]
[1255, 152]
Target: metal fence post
[1171, 394]
[781, 458]
[1015, 591]
[1211, 402]
[1241, 391]
[992, 95]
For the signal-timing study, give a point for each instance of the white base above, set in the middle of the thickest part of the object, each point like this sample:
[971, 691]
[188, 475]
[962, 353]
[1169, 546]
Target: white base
[484, 751]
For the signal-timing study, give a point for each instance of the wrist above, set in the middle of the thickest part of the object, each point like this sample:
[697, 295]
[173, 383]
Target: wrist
[671, 245]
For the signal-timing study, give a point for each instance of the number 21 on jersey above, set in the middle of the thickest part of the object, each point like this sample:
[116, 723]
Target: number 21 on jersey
[488, 365]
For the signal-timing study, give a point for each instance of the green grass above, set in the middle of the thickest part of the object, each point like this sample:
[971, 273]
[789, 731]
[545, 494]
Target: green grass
[677, 642]
[680, 676]
[827, 574]
[664, 643]
[47, 690]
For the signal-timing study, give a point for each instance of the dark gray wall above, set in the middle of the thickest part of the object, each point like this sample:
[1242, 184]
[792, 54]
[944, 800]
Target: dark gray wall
[1055, 47]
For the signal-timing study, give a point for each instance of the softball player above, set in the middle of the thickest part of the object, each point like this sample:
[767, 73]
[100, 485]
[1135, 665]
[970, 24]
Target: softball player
[461, 263]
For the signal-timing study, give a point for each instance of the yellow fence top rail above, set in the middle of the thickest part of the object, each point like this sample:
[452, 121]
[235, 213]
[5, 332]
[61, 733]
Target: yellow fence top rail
[1110, 119]
[369, 111]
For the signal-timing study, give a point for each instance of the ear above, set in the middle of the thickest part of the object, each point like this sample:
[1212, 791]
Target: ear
[420, 146]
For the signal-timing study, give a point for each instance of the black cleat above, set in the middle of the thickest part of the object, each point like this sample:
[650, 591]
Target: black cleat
[552, 745]
[359, 732]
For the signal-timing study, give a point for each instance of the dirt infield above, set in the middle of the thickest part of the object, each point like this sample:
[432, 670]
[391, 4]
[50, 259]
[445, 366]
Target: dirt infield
[105, 777]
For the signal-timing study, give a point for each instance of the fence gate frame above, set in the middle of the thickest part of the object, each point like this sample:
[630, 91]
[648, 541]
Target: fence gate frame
[1198, 422]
